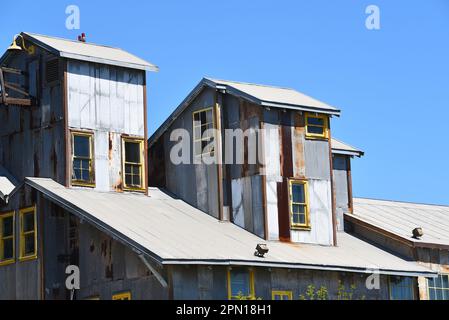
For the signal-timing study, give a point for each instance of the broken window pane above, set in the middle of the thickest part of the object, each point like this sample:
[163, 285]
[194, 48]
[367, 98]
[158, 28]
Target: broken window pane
[81, 146]
[132, 152]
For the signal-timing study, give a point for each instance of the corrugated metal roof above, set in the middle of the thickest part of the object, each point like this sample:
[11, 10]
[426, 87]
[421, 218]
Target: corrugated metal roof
[89, 52]
[7, 183]
[173, 232]
[276, 96]
[269, 96]
[400, 218]
[340, 147]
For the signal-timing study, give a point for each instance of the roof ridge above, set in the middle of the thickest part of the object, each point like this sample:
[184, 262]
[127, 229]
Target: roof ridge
[70, 40]
[253, 84]
[406, 202]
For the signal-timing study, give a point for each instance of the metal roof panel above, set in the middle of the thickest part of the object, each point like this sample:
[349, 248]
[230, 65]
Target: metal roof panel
[173, 232]
[90, 52]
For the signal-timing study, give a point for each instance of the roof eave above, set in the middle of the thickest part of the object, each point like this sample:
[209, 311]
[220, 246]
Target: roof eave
[209, 83]
[83, 215]
[62, 54]
[272, 264]
[348, 152]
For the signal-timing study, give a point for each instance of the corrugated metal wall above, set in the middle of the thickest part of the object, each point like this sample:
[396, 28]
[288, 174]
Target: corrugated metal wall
[194, 183]
[210, 282]
[109, 101]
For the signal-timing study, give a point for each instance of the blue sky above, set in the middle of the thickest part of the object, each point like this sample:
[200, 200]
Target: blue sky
[392, 84]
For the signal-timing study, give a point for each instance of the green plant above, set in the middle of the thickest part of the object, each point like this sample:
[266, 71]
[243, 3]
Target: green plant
[323, 294]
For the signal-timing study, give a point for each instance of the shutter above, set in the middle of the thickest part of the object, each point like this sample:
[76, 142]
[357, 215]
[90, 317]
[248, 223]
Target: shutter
[52, 71]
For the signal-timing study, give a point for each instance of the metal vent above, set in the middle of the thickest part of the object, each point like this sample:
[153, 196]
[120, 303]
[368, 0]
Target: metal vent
[52, 71]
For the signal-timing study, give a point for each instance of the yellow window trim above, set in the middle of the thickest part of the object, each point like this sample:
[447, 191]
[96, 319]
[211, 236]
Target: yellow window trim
[325, 126]
[122, 296]
[252, 295]
[2, 216]
[202, 125]
[141, 165]
[299, 226]
[275, 293]
[22, 256]
[83, 183]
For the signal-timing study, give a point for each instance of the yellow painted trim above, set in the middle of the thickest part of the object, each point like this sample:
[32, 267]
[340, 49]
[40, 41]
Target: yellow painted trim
[82, 183]
[142, 172]
[252, 290]
[275, 293]
[325, 134]
[122, 296]
[212, 109]
[2, 216]
[299, 226]
[22, 256]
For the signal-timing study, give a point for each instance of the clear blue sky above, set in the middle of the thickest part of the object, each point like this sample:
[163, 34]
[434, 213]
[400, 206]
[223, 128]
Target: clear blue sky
[392, 84]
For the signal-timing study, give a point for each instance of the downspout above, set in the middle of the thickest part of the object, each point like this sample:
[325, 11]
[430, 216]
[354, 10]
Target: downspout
[158, 276]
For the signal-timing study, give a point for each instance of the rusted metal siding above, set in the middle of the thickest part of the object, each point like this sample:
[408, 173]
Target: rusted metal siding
[340, 170]
[194, 183]
[108, 101]
[258, 204]
[300, 158]
[22, 280]
[210, 282]
[36, 133]
[107, 267]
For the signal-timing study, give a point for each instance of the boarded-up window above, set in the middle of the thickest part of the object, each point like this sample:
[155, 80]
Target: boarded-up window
[133, 164]
[7, 238]
[203, 134]
[82, 163]
[52, 71]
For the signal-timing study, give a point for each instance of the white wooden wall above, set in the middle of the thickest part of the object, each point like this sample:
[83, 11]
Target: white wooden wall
[109, 101]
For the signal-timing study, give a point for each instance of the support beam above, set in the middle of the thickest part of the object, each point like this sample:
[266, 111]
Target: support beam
[158, 276]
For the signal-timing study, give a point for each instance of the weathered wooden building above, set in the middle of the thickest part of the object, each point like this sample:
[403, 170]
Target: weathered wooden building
[296, 192]
[417, 232]
[74, 189]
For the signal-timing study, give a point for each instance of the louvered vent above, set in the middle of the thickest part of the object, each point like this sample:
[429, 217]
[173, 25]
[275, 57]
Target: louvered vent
[52, 71]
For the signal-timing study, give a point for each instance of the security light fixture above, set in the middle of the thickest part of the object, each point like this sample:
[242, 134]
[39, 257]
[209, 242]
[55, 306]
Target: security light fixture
[417, 233]
[261, 250]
